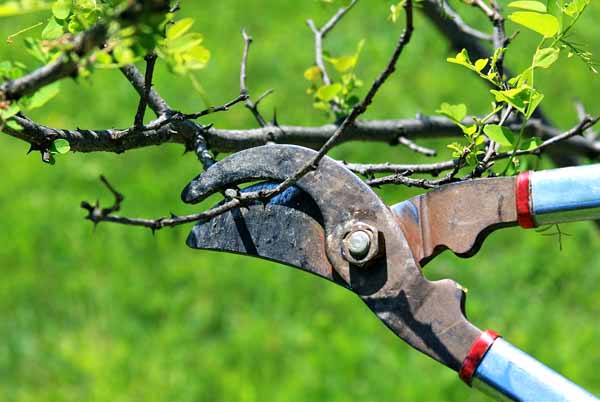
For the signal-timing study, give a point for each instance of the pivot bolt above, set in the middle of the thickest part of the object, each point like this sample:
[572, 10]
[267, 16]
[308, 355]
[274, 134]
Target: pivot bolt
[361, 244]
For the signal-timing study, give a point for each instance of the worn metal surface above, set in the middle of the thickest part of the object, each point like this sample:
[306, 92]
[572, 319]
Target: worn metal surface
[457, 216]
[427, 315]
[564, 195]
[288, 229]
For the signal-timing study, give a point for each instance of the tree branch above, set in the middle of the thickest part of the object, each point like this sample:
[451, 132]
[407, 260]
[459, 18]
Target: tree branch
[139, 116]
[252, 106]
[225, 141]
[137, 80]
[400, 178]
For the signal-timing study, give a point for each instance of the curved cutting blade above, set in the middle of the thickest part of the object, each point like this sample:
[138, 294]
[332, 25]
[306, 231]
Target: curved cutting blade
[288, 229]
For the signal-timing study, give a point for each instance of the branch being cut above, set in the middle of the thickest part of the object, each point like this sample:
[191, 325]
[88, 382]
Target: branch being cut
[97, 214]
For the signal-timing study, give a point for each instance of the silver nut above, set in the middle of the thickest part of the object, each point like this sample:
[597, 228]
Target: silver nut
[360, 244]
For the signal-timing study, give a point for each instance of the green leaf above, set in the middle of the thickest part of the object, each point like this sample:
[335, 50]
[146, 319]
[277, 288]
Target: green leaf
[536, 99]
[60, 146]
[531, 144]
[395, 10]
[43, 96]
[53, 30]
[501, 135]
[196, 58]
[458, 149]
[457, 113]
[185, 42]
[103, 58]
[123, 54]
[469, 130]
[529, 5]
[480, 140]
[35, 49]
[461, 58]
[481, 64]
[329, 92]
[61, 9]
[576, 7]
[544, 58]
[179, 28]
[312, 74]
[342, 64]
[545, 24]
[345, 63]
[516, 97]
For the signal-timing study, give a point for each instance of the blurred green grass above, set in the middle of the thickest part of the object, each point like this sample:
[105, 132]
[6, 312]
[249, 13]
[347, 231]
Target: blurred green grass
[116, 314]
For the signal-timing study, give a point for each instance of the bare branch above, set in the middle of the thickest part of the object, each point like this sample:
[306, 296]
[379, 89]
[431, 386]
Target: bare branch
[404, 170]
[137, 80]
[402, 179]
[252, 106]
[455, 18]
[139, 116]
[224, 141]
[336, 18]
[97, 214]
[416, 147]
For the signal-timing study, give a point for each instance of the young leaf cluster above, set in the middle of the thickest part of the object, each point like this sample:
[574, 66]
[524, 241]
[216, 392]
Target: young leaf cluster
[341, 92]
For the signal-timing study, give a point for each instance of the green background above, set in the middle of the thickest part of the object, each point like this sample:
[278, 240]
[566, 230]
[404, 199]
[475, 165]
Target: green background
[117, 314]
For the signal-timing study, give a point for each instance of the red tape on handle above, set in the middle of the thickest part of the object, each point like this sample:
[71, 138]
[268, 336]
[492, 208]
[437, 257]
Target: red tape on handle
[523, 195]
[476, 355]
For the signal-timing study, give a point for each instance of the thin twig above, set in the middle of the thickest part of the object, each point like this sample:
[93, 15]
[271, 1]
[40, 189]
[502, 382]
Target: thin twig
[319, 35]
[416, 147]
[138, 81]
[141, 110]
[252, 106]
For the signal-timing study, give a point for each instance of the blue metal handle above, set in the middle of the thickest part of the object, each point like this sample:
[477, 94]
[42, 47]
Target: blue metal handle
[564, 195]
[505, 372]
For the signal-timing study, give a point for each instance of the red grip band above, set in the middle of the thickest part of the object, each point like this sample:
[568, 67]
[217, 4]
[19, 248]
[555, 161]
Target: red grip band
[523, 195]
[476, 354]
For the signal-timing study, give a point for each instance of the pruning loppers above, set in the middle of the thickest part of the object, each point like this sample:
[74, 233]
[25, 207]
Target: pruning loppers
[331, 224]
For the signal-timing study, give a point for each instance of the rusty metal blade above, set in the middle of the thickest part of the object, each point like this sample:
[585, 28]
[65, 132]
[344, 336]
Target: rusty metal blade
[457, 216]
[288, 229]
